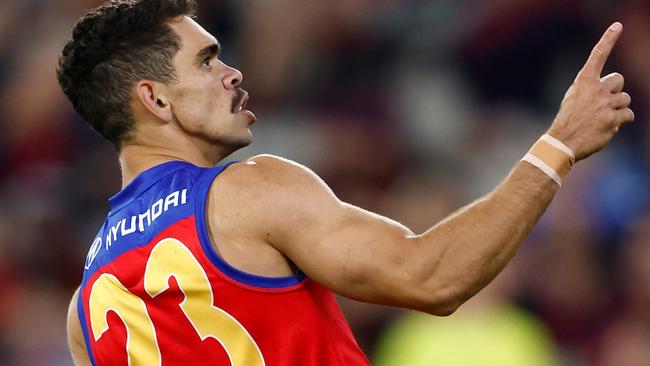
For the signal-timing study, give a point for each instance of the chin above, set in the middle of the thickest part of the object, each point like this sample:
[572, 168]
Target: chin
[244, 140]
[232, 144]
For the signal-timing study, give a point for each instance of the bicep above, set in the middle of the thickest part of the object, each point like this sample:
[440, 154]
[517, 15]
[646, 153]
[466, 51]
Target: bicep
[76, 341]
[354, 252]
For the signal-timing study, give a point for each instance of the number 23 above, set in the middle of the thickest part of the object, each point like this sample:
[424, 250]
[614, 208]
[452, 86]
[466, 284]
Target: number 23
[169, 258]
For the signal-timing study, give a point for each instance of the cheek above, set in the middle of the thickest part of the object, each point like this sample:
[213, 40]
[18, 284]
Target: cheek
[197, 101]
[202, 101]
[219, 99]
[211, 99]
[213, 105]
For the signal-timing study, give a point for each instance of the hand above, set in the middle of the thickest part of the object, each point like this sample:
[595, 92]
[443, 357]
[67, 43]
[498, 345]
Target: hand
[594, 107]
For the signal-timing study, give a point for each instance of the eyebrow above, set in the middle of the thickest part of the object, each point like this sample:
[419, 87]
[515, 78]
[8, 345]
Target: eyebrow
[211, 50]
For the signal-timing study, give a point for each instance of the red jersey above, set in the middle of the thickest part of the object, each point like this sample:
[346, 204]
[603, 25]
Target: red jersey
[155, 292]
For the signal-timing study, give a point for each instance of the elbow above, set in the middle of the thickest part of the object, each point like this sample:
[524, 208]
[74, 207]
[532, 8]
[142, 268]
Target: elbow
[442, 306]
[443, 309]
[441, 301]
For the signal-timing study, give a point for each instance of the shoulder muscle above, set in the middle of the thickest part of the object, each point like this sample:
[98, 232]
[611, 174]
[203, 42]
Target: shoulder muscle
[268, 195]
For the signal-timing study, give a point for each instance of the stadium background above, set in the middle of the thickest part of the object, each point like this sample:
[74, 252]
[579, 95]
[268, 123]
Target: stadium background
[407, 108]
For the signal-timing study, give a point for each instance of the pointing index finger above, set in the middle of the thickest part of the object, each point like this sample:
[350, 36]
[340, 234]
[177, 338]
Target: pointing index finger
[600, 53]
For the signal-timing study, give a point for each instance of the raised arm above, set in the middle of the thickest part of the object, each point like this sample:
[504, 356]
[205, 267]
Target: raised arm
[374, 259]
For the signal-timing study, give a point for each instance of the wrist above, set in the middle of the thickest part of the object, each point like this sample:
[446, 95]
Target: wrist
[552, 157]
[560, 130]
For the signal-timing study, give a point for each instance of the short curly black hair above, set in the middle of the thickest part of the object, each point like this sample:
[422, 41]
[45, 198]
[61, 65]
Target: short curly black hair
[112, 48]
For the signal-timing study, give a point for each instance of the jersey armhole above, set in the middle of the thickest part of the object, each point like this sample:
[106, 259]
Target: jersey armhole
[200, 198]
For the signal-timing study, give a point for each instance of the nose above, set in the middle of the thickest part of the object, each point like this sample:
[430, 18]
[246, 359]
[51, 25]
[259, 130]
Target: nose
[232, 78]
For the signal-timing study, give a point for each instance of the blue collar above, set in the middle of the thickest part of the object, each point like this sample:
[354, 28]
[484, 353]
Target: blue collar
[143, 181]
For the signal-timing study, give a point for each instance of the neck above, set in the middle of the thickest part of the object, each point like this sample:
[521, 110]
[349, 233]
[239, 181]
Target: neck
[135, 159]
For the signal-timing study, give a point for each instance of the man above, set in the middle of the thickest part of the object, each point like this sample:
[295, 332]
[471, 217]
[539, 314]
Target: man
[197, 264]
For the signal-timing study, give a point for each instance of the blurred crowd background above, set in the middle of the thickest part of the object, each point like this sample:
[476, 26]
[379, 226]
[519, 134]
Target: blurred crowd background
[407, 108]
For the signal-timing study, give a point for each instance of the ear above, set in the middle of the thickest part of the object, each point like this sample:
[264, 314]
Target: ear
[151, 95]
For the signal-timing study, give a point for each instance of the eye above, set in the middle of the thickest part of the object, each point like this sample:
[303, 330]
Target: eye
[206, 62]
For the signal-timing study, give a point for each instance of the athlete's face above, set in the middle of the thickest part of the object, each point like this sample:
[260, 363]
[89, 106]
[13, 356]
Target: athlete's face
[207, 101]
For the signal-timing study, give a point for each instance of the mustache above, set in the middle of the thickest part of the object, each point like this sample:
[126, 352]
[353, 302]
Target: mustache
[238, 99]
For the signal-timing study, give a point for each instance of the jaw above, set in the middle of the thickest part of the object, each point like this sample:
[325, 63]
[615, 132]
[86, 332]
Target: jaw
[218, 147]
[211, 138]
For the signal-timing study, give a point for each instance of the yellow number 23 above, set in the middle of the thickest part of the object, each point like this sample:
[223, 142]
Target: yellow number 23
[169, 258]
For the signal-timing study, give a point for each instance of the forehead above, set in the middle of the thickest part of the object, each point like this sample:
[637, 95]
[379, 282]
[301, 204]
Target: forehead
[193, 36]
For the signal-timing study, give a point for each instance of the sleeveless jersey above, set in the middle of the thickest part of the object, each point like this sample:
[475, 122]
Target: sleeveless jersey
[155, 292]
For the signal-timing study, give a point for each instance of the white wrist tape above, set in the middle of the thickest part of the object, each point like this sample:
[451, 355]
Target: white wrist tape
[552, 157]
[559, 145]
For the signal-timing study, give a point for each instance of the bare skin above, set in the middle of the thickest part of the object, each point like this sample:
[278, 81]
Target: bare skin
[269, 216]
[76, 340]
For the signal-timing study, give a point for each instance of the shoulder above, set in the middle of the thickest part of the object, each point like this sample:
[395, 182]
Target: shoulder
[272, 166]
[268, 191]
[269, 173]
[273, 160]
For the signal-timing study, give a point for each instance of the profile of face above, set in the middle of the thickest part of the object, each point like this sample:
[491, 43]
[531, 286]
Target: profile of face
[206, 101]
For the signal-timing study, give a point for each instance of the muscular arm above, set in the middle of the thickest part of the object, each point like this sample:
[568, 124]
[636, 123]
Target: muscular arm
[75, 335]
[372, 258]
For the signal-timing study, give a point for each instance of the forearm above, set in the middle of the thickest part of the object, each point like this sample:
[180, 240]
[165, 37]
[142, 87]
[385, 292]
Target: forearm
[462, 254]
[471, 247]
